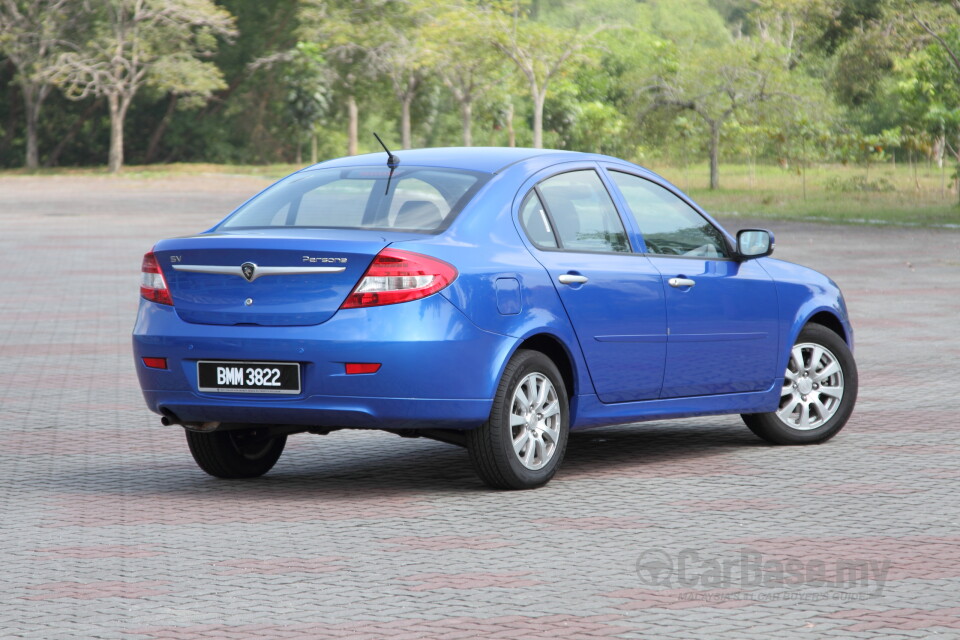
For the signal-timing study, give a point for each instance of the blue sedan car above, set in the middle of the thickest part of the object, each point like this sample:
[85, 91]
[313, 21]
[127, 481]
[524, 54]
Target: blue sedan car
[492, 298]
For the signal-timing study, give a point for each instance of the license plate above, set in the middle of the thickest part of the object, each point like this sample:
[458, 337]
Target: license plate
[248, 377]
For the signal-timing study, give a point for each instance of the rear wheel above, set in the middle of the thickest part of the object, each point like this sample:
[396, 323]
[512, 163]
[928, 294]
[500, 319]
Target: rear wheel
[522, 444]
[240, 453]
[819, 391]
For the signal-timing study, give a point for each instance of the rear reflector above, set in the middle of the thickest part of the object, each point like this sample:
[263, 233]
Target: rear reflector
[361, 367]
[155, 363]
[399, 276]
[153, 287]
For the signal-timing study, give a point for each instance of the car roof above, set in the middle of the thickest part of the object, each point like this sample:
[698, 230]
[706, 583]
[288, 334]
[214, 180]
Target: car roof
[485, 159]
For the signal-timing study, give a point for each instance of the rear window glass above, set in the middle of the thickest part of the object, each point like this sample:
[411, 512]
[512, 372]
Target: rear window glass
[412, 199]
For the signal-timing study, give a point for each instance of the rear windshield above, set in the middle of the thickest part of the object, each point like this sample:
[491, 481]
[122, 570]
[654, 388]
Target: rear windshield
[421, 199]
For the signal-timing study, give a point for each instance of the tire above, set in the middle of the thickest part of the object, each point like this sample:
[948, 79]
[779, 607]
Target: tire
[240, 453]
[522, 444]
[819, 391]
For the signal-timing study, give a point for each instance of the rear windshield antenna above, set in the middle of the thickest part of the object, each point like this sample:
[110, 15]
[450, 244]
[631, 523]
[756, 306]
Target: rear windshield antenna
[392, 161]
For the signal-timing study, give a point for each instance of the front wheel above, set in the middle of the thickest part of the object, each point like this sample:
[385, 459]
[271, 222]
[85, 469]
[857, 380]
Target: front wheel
[819, 391]
[522, 444]
[236, 453]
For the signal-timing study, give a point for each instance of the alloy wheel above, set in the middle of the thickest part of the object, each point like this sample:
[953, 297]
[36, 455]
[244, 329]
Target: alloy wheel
[812, 387]
[535, 421]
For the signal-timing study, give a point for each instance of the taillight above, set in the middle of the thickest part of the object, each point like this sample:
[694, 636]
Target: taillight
[152, 285]
[399, 276]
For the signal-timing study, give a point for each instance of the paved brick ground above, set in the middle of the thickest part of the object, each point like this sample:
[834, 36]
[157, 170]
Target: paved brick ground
[689, 529]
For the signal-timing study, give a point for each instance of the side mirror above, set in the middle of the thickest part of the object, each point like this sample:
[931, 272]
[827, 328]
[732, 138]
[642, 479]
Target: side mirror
[754, 243]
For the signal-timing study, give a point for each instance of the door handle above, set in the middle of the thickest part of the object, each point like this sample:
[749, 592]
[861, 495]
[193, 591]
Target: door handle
[680, 282]
[569, 278]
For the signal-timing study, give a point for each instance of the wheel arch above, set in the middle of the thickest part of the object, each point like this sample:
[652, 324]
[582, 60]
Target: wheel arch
[552, 347]
[830, 321]
[821, 315]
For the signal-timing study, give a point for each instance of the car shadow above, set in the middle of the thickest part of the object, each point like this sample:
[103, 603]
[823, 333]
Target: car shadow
[654, 448]
[354, 465]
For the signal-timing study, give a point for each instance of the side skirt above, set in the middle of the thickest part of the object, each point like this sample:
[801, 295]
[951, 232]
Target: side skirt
[587, 410]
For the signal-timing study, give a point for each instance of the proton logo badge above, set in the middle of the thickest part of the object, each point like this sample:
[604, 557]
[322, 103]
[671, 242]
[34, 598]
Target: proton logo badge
[249, 270]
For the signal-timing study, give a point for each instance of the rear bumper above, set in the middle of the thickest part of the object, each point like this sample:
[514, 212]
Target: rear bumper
[326, 411]
[439, 370]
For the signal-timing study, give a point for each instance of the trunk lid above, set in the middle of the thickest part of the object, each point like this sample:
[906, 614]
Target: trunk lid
[293, 276]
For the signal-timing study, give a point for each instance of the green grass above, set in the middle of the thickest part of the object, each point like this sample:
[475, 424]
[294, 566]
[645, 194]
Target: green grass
[160, 171]
[925, 197]
[920, 195]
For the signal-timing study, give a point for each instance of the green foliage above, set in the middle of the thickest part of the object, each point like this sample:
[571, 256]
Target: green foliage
[861, 64]
[692, 23]
[789, 82]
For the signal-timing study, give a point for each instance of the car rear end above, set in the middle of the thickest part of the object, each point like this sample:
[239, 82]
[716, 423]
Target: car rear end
[303, 308]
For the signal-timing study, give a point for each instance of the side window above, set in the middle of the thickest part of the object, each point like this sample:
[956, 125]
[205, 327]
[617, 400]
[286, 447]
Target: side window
[580, 211]
[668, 224]
[535, 222]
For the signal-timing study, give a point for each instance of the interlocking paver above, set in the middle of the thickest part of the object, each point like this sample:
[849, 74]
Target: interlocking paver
[684, 529]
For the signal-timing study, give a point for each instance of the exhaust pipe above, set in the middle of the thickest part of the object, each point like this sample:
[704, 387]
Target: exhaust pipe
[170, 418]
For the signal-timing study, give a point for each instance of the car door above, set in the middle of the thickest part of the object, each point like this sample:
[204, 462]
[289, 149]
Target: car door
[612, 295]
[721, 313]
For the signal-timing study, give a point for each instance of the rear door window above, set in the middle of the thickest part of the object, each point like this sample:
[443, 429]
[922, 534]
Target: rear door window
[573, 211]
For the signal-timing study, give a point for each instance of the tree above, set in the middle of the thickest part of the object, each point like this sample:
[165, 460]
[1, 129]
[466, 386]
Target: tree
[307, 102]
[134, 43]
[941, 27]
[344, 32]
[398, 54]
[930, 88]
[306, 79]
[460, 53]
[723, 83]
[540, 52]
[793, 25]
[32, 33]
[861, 65]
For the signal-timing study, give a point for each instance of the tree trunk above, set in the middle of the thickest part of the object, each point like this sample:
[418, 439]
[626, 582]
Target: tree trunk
[913, 166]
[405, 136]
[353, 117]
[466, 115]
[313, 147]
[157, 134]
[714, 155]
[511, 134]
[33, 96]
[118, 113]
[13, 113]
[943, 180]
[538, 100]
[803, 167]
